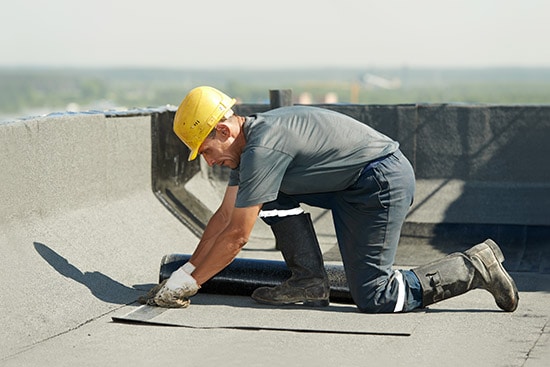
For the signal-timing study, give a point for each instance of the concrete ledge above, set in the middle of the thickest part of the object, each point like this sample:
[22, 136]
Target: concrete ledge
[54, 164]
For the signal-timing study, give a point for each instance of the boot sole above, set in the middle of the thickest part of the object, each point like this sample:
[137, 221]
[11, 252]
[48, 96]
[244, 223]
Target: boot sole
[317, 303]
[500, 257]
[307, 303]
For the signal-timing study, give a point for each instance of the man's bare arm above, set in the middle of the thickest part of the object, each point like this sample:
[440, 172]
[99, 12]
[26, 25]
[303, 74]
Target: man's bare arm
[215, 226]
[227, 244]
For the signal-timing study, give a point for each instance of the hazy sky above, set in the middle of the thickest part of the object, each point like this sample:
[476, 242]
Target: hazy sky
[275, 34]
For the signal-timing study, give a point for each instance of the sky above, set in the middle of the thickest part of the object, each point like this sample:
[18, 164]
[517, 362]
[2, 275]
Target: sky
[275, 34]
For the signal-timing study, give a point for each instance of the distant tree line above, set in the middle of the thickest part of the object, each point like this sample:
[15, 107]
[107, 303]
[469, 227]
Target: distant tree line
[25, 89]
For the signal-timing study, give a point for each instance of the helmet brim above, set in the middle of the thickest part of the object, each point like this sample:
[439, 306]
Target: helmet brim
[193, 155]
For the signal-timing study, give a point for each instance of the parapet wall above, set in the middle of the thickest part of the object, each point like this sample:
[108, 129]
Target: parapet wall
[501, 151]
[61, 163]
[463, 142]
[481, 170]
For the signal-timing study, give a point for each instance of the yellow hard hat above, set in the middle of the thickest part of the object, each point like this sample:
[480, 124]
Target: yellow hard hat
[198, 114]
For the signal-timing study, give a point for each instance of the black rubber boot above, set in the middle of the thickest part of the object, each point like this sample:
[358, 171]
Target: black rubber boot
[295, 237]
[478, 267]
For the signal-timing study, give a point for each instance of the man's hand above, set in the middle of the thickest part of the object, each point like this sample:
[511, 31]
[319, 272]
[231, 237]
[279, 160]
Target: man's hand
[173, 292]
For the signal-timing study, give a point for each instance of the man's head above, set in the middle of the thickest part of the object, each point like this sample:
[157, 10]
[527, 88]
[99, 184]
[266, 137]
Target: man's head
[225, 143]
[198, 114]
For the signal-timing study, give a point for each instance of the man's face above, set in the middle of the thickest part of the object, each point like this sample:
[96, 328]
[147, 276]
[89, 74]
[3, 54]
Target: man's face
[219, 151]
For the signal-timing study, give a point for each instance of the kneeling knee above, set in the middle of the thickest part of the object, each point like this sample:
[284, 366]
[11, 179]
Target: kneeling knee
[373, 303]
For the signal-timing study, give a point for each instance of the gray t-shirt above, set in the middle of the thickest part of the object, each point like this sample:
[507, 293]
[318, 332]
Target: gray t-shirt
[300, 150]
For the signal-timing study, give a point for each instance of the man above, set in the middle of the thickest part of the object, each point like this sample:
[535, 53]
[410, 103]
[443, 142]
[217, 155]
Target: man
[300, 154]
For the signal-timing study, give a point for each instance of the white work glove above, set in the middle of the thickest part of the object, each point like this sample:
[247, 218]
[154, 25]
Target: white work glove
[175, 291]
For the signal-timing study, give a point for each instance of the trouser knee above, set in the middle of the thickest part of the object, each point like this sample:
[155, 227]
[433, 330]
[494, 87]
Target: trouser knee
[368, 303]
[400, 292]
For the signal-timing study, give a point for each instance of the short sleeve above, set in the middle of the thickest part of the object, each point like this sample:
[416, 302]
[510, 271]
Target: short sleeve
[260, 175]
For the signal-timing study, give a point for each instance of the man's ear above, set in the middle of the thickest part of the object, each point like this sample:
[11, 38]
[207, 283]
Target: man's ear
[223, 129]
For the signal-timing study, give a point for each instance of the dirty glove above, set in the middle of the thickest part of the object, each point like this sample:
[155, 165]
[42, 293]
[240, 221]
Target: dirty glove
[175, 291]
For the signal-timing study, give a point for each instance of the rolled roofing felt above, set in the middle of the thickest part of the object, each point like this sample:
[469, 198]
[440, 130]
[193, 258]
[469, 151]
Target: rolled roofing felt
[243, 276]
